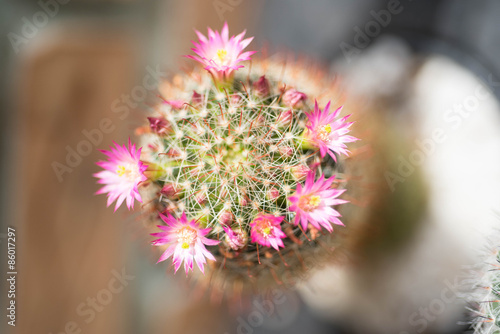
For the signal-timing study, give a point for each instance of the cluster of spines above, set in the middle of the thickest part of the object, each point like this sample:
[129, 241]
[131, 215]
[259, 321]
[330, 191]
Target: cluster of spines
[228, 157]
[486, 297]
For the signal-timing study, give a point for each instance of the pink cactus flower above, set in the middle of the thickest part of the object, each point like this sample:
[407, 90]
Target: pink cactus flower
[266, 231]
[122, 174]
[313, 203]
[185, 241]
[292, 97]
[219, 53]
[327, 133]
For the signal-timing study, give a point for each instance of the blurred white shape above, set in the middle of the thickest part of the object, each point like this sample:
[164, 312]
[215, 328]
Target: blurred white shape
[464, 170]
[416, 289]
[379, 70]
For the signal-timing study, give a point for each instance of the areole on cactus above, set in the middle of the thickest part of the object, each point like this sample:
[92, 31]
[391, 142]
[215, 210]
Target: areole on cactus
[237, 161]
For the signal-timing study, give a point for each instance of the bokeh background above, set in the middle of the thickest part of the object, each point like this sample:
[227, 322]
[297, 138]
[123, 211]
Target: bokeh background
[429, 65]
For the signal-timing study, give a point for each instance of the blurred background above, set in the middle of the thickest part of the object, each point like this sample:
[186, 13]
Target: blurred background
[432, 68]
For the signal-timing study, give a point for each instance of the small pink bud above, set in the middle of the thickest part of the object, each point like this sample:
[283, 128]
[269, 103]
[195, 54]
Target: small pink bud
[259, 121]
[261, 87]
[153, 147]
[158, 125]
[197, 99]
[292, 97]
[170, 191]
[286, 151]
[200, 198]
[174, 153]
[243, 201]
[273, 193]
[236, 239]
[284, 118]
[235, 99]
[176, 104]
[300, 172]
[226, 217]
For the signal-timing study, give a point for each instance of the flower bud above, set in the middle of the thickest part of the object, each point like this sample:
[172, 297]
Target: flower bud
[197, 99]
[235, 99]
[243, 201]
[300, 172]
[153, 147]
[158, 125]
[226, 217]
[273, 193]
[286, 151]
[236, 239]
[261, 87]
[284, 118]
[200, 198]
[170, 191]
[259, 121]
[292, 97]
[176, 104]
[174, 153]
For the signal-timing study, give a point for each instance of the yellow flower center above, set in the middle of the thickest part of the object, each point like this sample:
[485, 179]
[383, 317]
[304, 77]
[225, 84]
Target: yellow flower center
[324, 132]
[265, 228]
[129, 171]
[314, 201]
[221, 54]
[121, 170]
[187, 236]
[308, 203]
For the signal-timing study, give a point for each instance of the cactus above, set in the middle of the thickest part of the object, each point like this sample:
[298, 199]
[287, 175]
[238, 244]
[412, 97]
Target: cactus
[484, 299]
[245, 168]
